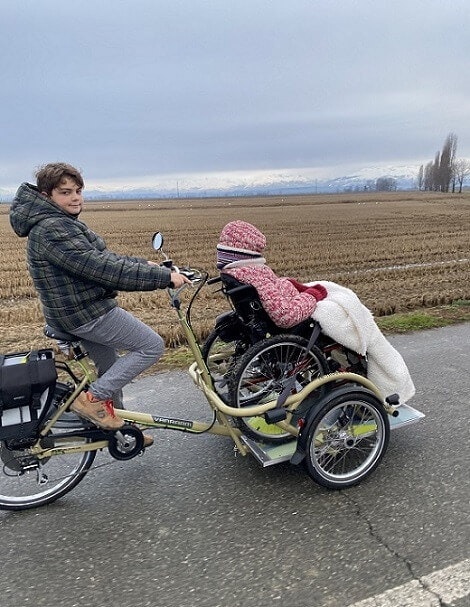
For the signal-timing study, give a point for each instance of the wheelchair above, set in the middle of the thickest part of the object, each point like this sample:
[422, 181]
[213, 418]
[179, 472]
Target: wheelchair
[251, 360]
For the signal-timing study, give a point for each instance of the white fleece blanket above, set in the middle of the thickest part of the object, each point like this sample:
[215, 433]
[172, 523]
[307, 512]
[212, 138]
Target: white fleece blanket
[345, 319]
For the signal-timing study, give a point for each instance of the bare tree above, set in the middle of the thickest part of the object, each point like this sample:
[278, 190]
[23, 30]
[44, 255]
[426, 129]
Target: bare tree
[421, 178]
[439, 174]
[386, 184]
[461, 170]
[446, 163]
[434, 170]
[429, 176]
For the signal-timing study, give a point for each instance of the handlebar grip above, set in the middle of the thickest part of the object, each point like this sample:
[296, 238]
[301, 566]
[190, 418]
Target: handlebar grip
[212, 281]
[188, 273]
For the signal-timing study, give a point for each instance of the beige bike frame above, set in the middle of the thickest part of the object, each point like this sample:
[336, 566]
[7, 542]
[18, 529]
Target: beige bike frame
[201, 377]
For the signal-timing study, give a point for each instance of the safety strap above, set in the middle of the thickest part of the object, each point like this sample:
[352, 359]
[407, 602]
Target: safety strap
[291, 381]
[36, 389]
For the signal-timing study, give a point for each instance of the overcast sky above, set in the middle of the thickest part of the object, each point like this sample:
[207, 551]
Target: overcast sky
[129, 90]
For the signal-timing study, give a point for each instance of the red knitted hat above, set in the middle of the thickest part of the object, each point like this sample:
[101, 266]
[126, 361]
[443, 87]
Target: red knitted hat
[242, 235]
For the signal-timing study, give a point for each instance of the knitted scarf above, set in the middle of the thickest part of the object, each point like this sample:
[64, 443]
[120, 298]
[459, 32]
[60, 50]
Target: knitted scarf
[227, 255]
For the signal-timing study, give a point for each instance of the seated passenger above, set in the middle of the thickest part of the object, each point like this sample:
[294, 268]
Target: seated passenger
[340, 313]
[286, 301]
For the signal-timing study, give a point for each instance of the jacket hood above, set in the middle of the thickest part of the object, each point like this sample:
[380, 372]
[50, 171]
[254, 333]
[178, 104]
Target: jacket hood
[29, 207]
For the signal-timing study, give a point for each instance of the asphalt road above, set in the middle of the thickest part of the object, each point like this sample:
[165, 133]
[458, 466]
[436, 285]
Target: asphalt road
[189, 524]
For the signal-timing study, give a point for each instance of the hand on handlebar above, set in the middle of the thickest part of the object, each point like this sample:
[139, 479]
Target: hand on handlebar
[178, 280]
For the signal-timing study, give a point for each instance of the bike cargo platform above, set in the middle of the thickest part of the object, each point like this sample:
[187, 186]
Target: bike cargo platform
[269, 454]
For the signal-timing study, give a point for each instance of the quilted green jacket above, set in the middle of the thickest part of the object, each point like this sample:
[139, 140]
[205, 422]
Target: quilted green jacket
[75, 275]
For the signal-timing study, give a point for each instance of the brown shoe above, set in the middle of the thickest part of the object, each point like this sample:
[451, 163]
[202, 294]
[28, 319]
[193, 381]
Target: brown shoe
[100, 412]
[148, 440]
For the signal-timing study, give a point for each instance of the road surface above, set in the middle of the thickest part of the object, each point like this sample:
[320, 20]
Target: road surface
[189, 524]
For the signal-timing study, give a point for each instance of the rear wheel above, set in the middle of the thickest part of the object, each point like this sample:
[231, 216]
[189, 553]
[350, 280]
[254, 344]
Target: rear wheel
[347, 439]
[273, 365]
[27, 481]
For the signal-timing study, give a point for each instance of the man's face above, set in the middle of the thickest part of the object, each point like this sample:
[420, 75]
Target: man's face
[68, 196]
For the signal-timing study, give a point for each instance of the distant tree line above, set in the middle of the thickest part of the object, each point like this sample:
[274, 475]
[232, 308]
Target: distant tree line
[386, 184]
[446, 172]
[382, 184]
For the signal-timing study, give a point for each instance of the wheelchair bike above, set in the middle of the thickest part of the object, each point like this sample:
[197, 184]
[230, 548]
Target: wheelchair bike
[252, 360]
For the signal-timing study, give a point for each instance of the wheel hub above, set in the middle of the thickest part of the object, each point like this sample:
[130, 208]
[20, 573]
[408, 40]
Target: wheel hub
[340, 440]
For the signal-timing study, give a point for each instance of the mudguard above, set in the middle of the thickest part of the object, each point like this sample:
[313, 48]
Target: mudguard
[228, 326]
[301, 449]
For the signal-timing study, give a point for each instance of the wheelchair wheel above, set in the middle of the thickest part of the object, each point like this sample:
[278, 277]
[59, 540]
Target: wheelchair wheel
[220, 356]
[347, 439]
[27, 481]
[264, 371]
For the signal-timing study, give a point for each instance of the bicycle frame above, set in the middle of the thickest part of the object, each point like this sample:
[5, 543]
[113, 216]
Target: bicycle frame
[201, 377]
[341, 432]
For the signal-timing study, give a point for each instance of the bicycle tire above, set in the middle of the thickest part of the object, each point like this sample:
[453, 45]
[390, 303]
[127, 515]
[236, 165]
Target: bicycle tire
[28, 482]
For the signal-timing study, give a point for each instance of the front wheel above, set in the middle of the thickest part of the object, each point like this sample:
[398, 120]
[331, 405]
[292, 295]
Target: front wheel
[347, 439]
[27, 481]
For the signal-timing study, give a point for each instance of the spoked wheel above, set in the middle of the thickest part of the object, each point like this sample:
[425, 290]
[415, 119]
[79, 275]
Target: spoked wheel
[268, 368]
[220, 356]
[347, 440]
[26, 481]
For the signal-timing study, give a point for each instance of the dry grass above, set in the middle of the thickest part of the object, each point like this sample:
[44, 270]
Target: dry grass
[399, 252]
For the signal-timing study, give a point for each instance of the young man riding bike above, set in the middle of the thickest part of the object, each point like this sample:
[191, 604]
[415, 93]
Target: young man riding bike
[77, 279]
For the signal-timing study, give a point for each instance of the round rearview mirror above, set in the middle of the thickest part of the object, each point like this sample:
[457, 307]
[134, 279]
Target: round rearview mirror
[157, 241]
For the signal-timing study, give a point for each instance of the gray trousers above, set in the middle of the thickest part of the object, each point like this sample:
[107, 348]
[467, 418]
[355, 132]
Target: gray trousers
[105, 337]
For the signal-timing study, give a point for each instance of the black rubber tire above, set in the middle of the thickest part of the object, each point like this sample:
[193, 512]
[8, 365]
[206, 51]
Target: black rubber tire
[347, 439]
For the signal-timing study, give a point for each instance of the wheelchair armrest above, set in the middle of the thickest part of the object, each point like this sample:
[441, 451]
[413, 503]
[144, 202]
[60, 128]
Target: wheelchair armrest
[239, 289]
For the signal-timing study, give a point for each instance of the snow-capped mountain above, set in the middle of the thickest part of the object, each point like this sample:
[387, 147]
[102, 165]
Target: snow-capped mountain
[263, 183]
[293, 181]
[405, 177]
[6, 195]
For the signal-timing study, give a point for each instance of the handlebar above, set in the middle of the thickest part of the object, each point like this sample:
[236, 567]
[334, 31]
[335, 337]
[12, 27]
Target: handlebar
[192, 274]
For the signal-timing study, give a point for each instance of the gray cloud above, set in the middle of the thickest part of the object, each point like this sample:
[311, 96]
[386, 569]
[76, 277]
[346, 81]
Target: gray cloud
[130, 88]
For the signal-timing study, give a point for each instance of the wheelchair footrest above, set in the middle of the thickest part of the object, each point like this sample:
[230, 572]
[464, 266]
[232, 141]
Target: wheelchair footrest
[269, 454]
[406, 415]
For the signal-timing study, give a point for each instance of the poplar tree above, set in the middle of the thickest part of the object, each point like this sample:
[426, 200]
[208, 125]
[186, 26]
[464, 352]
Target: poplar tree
[446, 163]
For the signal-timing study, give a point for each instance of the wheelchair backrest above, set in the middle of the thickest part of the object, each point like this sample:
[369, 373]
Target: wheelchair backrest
[247, 304]
[245, 301]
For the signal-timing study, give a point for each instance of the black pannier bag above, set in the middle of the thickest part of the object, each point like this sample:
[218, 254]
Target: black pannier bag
[27, 382]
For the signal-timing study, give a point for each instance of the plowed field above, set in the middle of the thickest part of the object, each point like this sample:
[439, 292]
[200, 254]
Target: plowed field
[398, 252]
